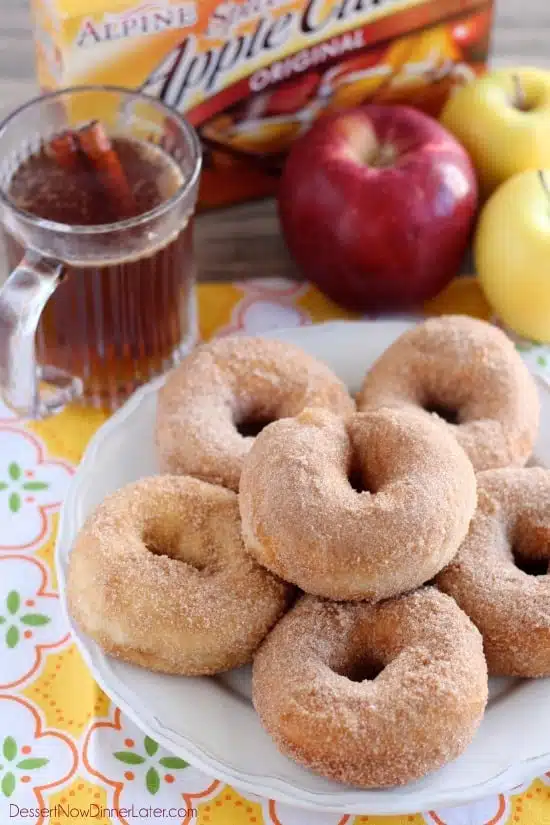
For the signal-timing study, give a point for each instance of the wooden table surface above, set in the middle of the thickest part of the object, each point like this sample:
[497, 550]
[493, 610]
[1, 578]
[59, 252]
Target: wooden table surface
[244, 241]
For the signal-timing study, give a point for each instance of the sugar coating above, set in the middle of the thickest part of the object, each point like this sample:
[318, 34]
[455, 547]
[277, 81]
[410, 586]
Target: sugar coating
[420, 712]
[510, 607]
[303, 520]
[159, 577]
[472, 368]
[229, 381]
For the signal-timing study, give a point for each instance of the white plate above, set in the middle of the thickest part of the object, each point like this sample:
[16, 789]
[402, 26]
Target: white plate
[211, 722]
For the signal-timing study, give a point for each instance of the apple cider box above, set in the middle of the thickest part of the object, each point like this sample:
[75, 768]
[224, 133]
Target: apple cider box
[252, 75]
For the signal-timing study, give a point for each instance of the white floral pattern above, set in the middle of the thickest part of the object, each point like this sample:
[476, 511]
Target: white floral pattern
[117, 761]
[31, 488]
[137, 771]
[254, 315]
[32, 759]
[276, 813]
[494, 810]
[31, 621]
[274, 288]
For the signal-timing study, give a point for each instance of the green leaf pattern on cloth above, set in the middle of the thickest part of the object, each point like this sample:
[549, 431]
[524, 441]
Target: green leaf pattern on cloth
[17, 489]
[8, 784]
[153, 774]
[13, 602]
[12, 635]
[9, 751]
[35, 619]
[152, 780]
[31, 764]
[173, 762]
[15, 485]
[150, 745]
[129, 758]
[9, 748]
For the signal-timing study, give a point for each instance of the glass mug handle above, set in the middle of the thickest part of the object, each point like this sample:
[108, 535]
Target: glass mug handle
[22, 299]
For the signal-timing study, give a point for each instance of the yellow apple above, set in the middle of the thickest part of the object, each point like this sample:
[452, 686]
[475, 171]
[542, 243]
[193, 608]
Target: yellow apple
[503, 120]
[512, 253]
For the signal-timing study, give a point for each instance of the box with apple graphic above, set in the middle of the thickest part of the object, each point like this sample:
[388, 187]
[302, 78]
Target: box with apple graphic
[252, 75]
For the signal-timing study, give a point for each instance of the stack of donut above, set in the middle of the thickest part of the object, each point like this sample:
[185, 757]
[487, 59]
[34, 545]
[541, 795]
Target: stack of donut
[374, 558]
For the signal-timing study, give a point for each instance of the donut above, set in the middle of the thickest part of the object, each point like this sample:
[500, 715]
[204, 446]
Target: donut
[469, 374]
[500, 574]
[364, 507]
[216, 401]
[372, 695]
[159, 577]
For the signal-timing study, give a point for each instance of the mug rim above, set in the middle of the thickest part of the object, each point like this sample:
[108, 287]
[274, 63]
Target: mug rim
[127, 223]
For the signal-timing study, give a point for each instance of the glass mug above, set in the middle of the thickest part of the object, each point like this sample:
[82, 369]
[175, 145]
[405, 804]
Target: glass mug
[96, 309]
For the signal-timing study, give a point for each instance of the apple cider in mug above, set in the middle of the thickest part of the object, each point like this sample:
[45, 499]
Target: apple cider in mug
[252, 75]
[137, 304]
[98, 187]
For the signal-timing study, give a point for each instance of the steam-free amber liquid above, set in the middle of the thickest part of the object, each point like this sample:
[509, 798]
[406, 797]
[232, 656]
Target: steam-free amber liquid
[122, 321]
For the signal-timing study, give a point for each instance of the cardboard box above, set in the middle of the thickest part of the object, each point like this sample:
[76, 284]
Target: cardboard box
[253, 75]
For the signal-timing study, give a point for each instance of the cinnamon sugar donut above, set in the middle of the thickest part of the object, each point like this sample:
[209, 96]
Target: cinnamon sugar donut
[500, 574]
[159, 577]
[372, 695]
[224, 392]
[468, 372]
[303, 519]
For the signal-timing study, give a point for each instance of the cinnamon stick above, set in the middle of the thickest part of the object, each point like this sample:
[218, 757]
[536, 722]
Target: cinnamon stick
[64, 149]
[96, 145]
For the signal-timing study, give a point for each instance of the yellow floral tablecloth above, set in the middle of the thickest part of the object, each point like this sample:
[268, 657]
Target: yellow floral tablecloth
[67, 755]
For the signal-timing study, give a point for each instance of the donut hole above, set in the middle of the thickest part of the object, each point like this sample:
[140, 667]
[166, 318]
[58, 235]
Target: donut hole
[251, 427]
[161, 549]
[447, 413]
[531, 565]
[191, 548]
[363, 669]
[364, 672]
[359, 479]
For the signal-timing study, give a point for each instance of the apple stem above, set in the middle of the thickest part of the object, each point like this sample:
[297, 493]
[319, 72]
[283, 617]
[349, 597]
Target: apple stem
[520, 101]
[544, 184]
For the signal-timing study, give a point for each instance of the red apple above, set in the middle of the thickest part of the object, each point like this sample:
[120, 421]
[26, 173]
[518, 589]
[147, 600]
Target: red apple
[376, 205]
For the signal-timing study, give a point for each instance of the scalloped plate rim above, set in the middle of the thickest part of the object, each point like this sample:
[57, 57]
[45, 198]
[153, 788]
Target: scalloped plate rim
[348, 800]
